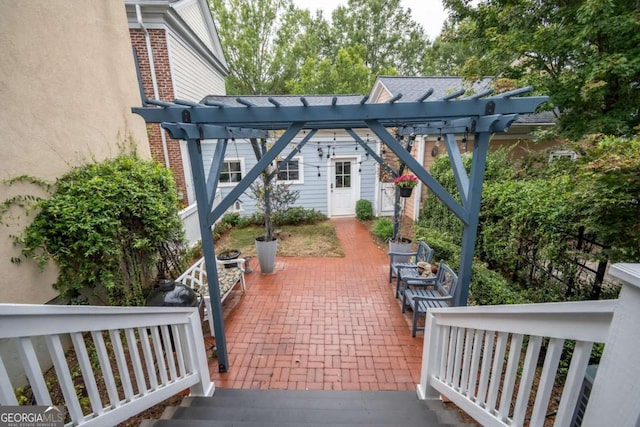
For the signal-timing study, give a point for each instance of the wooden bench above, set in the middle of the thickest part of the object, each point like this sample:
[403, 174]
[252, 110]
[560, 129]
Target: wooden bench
[436, 293]
[423, 253]
[229, 278]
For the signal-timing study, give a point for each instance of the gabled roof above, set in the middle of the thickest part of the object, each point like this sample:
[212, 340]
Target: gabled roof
[412, 88]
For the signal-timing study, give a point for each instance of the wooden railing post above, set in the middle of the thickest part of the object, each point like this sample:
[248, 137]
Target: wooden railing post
[199, 357]
[614, 399]
[429, 358]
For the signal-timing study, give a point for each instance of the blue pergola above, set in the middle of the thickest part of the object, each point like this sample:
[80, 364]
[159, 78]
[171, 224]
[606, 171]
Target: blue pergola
[481, 115]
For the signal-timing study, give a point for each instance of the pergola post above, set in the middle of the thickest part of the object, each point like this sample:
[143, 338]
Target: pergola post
[208, 250]
[472, 205]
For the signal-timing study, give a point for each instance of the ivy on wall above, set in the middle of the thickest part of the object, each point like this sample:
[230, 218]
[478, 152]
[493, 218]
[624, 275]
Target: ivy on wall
[107, 225]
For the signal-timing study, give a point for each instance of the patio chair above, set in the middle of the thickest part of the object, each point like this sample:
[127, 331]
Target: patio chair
[420, 297]
[423, 253]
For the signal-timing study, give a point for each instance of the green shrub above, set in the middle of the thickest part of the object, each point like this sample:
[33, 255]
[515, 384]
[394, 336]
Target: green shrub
[244, 221]
[490, 288]
[231, 218]
[257, 218]
[299, 215]
[220, 228]
[364, 210]
[442, 245]
[110, 227]
[383, 228]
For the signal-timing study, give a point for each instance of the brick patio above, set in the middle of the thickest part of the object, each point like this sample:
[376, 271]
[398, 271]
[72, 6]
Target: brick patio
[321, 324]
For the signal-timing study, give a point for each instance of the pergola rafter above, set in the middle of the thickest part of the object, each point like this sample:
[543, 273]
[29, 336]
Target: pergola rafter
[255, 117]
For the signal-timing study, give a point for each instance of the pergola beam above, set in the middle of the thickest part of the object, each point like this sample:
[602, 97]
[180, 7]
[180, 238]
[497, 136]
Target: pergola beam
[372, 153]
[459, 172]
[438, 190]
[339, 116]
[249, 117]
[254, 173]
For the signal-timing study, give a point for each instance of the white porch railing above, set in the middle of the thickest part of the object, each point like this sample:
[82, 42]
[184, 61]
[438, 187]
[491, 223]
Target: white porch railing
[474, 356]
[159, 351]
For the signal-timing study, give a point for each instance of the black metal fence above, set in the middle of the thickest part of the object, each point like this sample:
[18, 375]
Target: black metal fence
[580, 266]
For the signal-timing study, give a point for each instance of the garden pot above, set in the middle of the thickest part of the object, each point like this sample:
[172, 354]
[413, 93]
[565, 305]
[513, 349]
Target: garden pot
[403, 246]
[229, 255]
[405, 191]
[266, 252]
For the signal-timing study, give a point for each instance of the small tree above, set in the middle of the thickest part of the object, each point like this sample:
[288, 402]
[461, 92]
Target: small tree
[281, 198]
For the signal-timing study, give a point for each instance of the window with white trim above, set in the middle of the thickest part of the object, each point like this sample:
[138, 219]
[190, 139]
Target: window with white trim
[290, 172]
[231, 172]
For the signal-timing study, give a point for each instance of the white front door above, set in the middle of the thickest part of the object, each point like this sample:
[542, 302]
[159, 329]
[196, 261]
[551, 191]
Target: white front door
[344, 187]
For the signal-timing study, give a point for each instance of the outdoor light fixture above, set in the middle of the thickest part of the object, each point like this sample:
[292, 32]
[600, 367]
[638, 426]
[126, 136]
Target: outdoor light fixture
[434, 150]
[464, 139]
[320, 152]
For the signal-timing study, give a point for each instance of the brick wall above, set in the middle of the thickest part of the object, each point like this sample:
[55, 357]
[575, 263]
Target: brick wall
[166, 93]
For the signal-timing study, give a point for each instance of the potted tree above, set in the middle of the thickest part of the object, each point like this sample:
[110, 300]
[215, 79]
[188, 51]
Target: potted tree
[267, 244]
[274, 199]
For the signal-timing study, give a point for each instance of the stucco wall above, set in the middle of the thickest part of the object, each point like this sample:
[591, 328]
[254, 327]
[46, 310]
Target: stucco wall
[67, 84]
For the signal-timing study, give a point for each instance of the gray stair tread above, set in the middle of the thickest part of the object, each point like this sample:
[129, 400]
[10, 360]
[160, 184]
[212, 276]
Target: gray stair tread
[307, 408]
[318, 394]
[308, 415]
[227, 423]
[402, 401]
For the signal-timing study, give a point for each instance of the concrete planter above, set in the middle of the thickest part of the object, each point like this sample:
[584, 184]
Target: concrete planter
[403, 246]
[266, 252]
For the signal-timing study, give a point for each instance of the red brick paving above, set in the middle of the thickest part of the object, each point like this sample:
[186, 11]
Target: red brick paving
[321, 324]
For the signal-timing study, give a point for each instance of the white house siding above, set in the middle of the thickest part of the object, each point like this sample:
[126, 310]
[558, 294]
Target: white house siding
[192, 15]
[193, 79]
[314, 191]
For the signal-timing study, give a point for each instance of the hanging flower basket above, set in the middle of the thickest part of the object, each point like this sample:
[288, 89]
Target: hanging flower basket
[405, 184]
[405, 191]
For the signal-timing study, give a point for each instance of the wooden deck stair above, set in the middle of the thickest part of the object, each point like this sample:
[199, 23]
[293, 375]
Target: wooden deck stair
[295, 408]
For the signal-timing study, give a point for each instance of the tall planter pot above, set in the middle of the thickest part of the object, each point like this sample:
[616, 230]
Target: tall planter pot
[403, 246]
[266, 252]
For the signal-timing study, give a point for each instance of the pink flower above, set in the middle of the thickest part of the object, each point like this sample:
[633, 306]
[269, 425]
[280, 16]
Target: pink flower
[406, 181]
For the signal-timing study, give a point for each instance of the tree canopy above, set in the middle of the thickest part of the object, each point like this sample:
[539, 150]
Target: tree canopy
[274, 48]
[392, 40]
[585, 54]
[259, 39]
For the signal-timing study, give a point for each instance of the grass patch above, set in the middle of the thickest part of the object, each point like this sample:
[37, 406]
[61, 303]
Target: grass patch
[309, 240]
